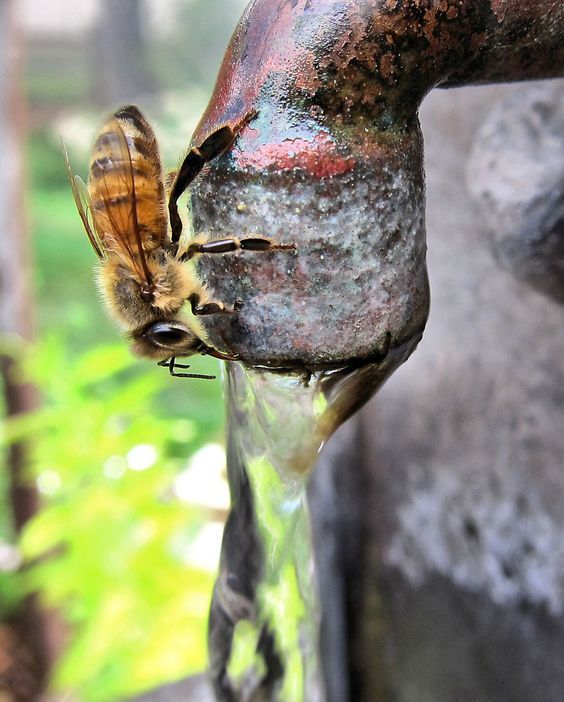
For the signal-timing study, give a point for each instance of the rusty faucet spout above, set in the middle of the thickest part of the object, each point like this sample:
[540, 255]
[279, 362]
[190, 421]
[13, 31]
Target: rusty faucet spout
[333, 161]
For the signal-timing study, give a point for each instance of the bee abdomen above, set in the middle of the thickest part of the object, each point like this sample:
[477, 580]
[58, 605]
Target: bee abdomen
[126, 178]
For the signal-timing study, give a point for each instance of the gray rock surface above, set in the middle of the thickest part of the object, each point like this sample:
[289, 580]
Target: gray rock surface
[459, 591]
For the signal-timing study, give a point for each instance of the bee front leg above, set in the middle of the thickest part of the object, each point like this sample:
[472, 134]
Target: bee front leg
[201, 308]
[195, 160]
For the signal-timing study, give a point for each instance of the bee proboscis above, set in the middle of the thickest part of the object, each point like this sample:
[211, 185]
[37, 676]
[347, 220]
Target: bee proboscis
[144, 276]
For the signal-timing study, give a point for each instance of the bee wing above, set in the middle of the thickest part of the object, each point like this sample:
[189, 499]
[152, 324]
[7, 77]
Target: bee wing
[83, 205]
[115, 201]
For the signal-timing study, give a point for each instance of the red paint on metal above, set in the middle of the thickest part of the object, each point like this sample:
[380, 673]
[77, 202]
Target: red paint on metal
[317, 156]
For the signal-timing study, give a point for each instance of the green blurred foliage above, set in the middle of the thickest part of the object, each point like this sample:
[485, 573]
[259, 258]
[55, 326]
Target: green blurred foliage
[108, 548]
[45, 155]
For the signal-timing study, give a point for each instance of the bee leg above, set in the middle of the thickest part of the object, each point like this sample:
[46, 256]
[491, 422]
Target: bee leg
[257, 243]
[212, 147]
[172, 365]
[199, 308]
[214, 353]
[173, 250]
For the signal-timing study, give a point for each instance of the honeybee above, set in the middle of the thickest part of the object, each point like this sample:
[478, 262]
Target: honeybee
[144, 276]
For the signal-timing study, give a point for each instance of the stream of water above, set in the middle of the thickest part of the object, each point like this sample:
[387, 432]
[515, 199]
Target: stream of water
[264, 619]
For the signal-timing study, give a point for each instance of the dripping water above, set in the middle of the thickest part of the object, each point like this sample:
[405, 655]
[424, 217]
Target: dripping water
[265, 612]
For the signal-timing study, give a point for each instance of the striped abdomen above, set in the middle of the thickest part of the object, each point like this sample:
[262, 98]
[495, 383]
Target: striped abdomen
[126, 185]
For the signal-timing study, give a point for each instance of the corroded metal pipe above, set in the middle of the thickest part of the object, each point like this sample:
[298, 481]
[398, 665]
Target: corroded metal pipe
[333, 162]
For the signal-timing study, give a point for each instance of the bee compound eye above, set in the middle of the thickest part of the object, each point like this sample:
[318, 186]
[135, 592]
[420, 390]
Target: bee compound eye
[167, 335]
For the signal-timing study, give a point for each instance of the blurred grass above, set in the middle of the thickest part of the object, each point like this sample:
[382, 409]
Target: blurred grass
[109, 550]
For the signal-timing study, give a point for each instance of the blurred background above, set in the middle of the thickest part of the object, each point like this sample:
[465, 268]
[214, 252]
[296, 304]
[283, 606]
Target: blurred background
[113, 493]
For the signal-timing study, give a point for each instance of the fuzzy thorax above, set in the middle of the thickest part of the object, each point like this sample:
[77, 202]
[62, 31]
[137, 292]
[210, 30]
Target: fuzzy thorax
[121, 289]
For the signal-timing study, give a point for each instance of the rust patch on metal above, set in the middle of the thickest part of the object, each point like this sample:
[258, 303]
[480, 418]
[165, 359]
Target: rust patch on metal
[317, 157]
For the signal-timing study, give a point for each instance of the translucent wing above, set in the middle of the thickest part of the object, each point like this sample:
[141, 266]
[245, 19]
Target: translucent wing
[113, 194]
[82, 202]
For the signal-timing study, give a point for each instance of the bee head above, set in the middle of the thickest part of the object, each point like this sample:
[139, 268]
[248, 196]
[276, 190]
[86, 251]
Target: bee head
[164, 339]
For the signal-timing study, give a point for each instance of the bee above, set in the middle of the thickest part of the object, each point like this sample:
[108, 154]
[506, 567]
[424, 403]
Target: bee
[144, 275]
